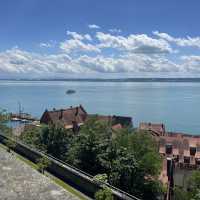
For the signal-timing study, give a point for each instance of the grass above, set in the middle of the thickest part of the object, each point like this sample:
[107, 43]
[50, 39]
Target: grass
[53, 178]
[68, 187]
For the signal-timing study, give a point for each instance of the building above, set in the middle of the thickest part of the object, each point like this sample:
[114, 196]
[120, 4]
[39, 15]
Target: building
[70, 118]
[116, 122]
[154, 129]
[182, 149]
[74, 117]
[185, 149]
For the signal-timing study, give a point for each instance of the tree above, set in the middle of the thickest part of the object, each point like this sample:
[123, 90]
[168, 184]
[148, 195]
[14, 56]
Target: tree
[130, 160]
[197, 195]
[92, 141]
[180, 194]
[53, 139]
[42, 164]
[11, 144]
[4, 118]
[194, 185]
[104, 194]
[144, 149]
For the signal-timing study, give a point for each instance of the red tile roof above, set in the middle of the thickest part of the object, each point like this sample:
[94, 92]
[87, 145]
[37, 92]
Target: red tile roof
[157, 129]
[65, 116]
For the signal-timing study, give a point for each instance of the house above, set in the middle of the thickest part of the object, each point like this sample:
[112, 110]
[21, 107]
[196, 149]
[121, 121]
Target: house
[185, 149]
[153, 128]
[74, 117]
[70, 118]
[116, 122]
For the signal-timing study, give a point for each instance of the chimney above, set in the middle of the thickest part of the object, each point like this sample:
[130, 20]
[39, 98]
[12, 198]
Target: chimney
[76, 113]
[61, 114]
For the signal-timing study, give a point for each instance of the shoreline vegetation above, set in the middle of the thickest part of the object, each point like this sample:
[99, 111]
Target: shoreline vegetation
[193, 80]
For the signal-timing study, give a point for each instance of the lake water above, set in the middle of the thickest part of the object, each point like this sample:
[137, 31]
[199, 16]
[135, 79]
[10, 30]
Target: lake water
[175, 104]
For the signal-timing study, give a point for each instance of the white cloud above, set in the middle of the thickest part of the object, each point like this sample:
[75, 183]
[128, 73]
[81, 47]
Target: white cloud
[183, 42]
[129, 63]
[78, 36]
[75, 45]
[107, 53]
[94, 26]
[21, 62]
[115, 30]
[134, 43]
[47, 45]
[191, 63]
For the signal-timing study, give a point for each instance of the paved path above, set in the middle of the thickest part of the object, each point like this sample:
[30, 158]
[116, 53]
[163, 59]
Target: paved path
[18, 181]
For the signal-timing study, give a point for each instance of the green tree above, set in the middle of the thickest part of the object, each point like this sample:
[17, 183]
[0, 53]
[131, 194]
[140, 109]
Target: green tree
[56, 140]
[144, 149]
[42, 164]
[4, 118]
[197, 195]
[85, 149]
[194, 185]
[104, 194]
[180, 194]
[10, 144]
[53, 139]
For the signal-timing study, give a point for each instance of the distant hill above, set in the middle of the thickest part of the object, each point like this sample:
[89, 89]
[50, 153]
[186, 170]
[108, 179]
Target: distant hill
[115, 80]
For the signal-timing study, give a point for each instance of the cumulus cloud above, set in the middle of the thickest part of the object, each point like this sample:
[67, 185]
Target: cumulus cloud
[191, 63]
[134, 43]
[49, 44]
[128, 63]
[19, 62]
[78, 36]
[183, 42]
[94, 26]
[102, 53]
[115, 30]
[75, 45]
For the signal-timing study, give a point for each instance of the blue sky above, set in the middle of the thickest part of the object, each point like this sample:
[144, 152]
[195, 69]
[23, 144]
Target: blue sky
[113, 38]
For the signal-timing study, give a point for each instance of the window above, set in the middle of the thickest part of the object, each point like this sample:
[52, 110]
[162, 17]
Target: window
[168, 149]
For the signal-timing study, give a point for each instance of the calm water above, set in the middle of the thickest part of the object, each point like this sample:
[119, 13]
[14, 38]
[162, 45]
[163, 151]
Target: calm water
[175, 104]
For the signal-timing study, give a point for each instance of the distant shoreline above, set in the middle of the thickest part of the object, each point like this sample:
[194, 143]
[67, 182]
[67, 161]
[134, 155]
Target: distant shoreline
[113, 80]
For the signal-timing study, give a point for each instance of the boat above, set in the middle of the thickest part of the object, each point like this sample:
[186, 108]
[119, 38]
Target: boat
[70, 91]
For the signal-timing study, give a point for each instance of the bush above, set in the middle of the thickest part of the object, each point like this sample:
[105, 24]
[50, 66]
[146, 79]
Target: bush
[11, 144]
[104, 194]
[42, 164]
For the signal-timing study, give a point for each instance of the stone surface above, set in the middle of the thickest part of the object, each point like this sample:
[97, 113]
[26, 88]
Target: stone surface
[18, 181]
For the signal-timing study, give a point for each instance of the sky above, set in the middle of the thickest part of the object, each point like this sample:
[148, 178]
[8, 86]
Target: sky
[99, 38]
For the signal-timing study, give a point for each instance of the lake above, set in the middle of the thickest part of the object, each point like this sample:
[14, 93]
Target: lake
[175, 104]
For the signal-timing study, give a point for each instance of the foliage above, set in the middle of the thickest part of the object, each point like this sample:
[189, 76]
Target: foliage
[196, 195]
[42, 164]
[102, 178]
[194, 185]
[180, 194]
[129, 160]
[104, 194]
[92, 140]
[11, 144]
[4, 117]
[56, 140]
[52, 139]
